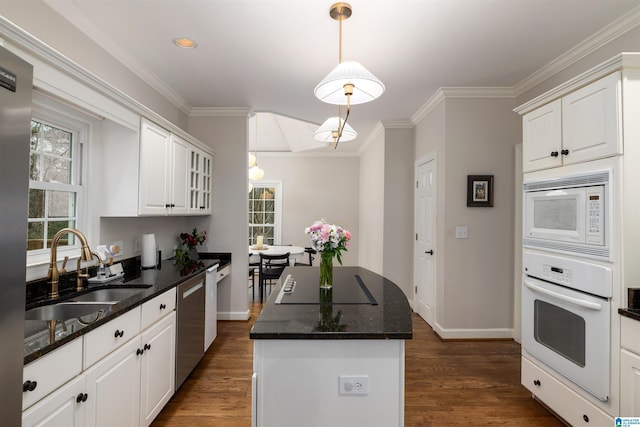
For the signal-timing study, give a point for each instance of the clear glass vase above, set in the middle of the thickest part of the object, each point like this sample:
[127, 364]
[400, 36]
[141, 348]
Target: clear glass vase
[326, 269]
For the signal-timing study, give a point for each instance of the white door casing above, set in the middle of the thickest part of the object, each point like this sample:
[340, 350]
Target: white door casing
[424, 248]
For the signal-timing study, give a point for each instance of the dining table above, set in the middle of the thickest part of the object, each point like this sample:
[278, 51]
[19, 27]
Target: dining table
[295, 252]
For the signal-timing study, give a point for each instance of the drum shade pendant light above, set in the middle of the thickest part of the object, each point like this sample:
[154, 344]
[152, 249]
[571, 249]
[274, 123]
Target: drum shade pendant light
[348, 83]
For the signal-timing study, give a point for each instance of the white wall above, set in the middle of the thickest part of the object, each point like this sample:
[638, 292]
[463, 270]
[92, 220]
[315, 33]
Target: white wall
[228, 225]
[314, 187]
[399, 189]
[474, 287]
[371, 205]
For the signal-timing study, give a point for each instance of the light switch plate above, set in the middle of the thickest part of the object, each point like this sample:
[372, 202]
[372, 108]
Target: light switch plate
[462, 232]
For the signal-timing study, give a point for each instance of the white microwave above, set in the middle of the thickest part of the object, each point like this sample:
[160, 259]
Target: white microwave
[569, 214]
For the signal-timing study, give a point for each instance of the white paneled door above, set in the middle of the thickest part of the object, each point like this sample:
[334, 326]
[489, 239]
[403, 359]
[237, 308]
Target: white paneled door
[424, 250]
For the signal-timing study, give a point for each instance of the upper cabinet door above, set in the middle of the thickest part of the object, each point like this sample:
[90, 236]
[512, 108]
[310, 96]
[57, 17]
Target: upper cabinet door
[179, 165]
[592, 121]
[155, 176]
[542, 137]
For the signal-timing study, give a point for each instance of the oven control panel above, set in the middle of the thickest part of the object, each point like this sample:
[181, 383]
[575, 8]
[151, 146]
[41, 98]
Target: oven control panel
[559, 275]
[594, 278]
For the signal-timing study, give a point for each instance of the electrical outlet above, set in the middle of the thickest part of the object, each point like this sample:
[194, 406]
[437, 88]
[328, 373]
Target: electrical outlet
[116, 248]
[354, 384]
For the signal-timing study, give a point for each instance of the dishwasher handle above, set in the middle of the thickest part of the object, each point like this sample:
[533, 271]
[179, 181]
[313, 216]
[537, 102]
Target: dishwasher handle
[192, 290]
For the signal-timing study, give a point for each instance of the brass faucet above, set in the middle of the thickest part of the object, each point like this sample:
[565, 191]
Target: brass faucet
[54, 274]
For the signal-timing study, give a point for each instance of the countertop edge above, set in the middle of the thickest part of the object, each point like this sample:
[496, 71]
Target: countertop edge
[631, 313]
[119, 311]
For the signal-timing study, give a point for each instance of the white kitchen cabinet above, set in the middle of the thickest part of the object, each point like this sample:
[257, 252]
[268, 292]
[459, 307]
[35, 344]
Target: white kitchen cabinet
[63, 408]
[132, 384]
[542, 137]
[200, 175]
[47, 373]
[106, 338]
[629, 367]
[583, 125]
[158, 368]
[163, 171]
[592, 121]
[113, 388]
[572, 407]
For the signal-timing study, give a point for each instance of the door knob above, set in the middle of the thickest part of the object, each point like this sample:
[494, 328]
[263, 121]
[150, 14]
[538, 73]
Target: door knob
[429, 252]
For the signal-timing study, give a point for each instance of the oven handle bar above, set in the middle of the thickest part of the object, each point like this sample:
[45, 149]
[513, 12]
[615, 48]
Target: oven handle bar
[576, 301]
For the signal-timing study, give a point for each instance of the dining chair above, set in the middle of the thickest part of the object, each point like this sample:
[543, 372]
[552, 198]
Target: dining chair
[271, 267]
[311, 253]
[252, 275]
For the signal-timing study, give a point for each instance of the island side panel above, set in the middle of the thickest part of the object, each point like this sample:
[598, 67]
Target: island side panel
[297, 382]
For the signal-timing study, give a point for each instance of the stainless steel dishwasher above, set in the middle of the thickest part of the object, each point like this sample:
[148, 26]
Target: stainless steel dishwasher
[190, 327]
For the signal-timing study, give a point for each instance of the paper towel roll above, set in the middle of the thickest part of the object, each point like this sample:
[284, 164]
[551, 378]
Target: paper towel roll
[148, 257]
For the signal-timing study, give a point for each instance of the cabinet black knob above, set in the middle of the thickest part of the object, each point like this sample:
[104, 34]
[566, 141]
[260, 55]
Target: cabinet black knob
[119, 333]
[163, 306]
[564, 152]
[429, 252]
[536, 383]
[585, 417]
[147, 346]
[82, 397]
[167, 206]
[29, 385]
[554, 154]
[139, 352]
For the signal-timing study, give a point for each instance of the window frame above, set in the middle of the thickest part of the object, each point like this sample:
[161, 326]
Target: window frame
[277, 214]
[52, 112]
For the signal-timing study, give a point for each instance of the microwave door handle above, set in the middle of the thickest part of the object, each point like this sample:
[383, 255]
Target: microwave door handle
[586, 304]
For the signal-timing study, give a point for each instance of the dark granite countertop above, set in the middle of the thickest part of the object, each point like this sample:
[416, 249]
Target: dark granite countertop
[152, 282]
[363, 305]
[632, 313]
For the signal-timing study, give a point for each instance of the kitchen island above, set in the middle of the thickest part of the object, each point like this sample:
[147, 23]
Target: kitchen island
[331, 358]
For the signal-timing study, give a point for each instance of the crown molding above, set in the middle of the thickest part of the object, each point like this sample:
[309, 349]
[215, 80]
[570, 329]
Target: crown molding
[612, 31]
[221, 112]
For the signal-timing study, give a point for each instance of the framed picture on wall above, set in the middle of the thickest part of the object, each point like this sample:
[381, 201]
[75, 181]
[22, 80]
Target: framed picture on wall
[480, 191]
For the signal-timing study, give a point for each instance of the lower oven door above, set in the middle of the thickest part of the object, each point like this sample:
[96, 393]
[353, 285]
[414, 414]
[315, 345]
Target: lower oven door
[568, 330]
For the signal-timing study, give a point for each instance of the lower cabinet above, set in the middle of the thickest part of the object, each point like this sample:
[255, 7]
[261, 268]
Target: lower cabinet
[629, 367]
[113, 391]
[158, 368]
[127, 387]
[65, 407]
[132, 384]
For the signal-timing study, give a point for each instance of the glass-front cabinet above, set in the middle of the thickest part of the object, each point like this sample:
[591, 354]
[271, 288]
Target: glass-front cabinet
[200, 176]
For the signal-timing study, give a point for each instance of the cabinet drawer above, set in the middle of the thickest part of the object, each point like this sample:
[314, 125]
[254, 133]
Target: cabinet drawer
[51, 371]
[103, 340]
[630, 334]
[158, 307]
[223, 272]
[561, 399]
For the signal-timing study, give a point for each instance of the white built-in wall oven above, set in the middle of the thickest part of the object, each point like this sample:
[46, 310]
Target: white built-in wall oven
[566, 320]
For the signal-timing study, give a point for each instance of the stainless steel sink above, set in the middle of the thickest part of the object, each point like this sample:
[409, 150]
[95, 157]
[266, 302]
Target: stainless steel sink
[110, 295]
[65, 310]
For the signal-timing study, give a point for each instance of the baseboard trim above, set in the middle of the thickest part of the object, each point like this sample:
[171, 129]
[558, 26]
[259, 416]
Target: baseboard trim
[474, 334]
[233, 315]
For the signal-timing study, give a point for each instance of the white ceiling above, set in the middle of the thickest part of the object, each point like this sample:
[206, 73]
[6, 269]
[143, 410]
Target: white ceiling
[270, 54]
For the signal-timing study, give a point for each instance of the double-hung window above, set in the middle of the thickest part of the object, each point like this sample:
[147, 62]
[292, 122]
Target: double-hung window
[265, 212]
[55, 185]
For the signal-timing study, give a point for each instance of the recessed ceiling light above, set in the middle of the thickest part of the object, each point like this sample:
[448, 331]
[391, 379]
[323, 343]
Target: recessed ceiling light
[185, 43]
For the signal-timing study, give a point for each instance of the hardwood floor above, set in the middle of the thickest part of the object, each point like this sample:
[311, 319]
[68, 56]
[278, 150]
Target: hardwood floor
[447, 383]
